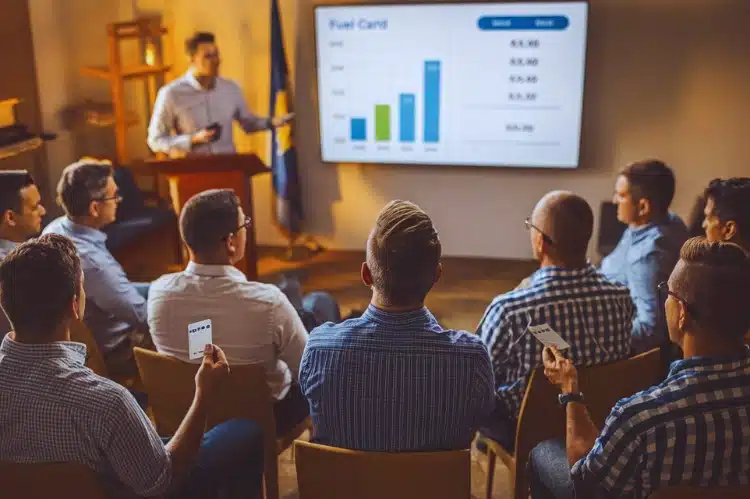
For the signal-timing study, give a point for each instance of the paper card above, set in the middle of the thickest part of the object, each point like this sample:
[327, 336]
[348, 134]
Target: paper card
[200, 334]
[548, 336]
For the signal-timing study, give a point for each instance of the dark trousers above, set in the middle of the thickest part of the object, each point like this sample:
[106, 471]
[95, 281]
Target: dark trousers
[549, 472]
[501, 427]
[291, 410]
[229, 464]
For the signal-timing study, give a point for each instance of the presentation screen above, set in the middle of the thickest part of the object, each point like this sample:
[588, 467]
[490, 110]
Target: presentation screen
[489, 84]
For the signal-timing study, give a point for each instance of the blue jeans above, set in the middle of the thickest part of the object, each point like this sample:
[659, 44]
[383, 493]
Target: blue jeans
[314, 309]
[229, 464]
[549, 472]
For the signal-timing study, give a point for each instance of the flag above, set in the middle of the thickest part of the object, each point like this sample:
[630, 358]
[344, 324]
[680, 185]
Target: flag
[287, 197]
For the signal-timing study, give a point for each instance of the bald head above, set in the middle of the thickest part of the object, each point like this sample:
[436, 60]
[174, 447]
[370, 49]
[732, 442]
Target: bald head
[568, 221]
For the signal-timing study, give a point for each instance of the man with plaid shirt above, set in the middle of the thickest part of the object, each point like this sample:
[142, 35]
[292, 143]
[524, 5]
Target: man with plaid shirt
[693, 429]
[589, 312]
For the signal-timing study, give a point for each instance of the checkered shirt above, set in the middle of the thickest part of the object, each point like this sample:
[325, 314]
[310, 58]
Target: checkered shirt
[591, 313]
[54, 409]
[396, 382]
[693, 429]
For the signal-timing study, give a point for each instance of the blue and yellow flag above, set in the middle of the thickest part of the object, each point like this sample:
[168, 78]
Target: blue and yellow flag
[286, 188]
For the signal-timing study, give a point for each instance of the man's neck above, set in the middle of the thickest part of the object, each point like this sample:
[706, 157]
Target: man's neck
[207, 82]
[217, 261]
[89, 222]
[549, 261]
[11, 235]
[695, 345]
[380, 304]
[61, 334]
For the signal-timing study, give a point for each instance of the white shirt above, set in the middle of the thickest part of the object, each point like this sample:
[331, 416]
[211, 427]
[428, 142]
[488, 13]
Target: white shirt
[184, 107]
[252, 322]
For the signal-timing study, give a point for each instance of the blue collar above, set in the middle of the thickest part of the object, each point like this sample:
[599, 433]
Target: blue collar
[712, 364]
[70, 351]
[421, 316]
[552, 273]
[81, 231]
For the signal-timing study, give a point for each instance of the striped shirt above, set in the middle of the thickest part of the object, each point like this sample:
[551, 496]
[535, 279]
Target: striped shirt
[54, 409]
[396, 382]
[592, 314]
[183, 107]
[693, 429]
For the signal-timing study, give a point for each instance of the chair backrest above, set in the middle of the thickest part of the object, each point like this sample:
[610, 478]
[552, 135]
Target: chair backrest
[702, 493]
[603, 385]
[45, 480]
[80, 333]
[170, 386]
[331, 473]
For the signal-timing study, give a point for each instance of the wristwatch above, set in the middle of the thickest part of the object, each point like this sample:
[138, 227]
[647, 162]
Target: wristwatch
[565, 398]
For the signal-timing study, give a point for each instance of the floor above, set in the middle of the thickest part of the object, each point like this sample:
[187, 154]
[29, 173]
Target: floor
[458, 301]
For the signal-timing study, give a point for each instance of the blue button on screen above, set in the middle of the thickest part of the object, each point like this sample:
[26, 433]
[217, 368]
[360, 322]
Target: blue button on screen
[523, 23]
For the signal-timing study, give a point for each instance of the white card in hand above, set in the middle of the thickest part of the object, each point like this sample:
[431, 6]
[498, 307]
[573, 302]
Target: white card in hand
[548, 336]
[200, 334]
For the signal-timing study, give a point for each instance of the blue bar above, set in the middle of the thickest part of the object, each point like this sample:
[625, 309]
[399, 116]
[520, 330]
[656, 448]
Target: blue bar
[523, 23]
[431, 101]
[358, 129]
[406, 111]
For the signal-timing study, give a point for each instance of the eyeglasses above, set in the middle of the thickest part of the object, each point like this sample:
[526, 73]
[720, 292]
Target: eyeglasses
[116, 198]
[545, 237]
[244, 225]
[665, 292]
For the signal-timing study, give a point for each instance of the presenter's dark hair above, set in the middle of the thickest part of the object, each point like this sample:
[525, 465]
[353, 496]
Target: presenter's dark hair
[403, 254]
[191, 44]
[81, 183]
[207, 218]
[38, 281]
[11, 183]
[651, 179]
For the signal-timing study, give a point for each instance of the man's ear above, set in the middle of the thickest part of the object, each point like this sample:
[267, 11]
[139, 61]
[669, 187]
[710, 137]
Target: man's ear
[231, 244]
[643, 208]
[438, 273]
[8, 218]
[93, 209]
[730, 230]
[366, 275]
[684, 319]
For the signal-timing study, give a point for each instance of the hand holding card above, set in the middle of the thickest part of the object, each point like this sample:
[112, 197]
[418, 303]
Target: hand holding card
[548, 336]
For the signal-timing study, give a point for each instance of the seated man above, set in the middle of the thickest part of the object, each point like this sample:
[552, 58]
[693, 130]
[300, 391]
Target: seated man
[649, 247]
[593, 315]
[393, 380]
[251, 321]
[689, 430]
[21, 209]
[54, 409]
[727, 212]
[116, 314]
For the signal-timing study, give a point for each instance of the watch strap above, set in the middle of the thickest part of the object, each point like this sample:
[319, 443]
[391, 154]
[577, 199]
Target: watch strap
[566, 398]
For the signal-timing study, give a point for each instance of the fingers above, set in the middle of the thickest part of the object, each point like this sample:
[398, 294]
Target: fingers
[220, 357]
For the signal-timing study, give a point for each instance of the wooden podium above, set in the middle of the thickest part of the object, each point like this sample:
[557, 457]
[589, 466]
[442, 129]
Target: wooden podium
[193, 174]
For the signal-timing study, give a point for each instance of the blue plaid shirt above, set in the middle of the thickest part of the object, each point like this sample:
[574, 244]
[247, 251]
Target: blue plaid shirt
[591, 313]
[693, 429]
[54, 409]
[396, 382]
[644, 257]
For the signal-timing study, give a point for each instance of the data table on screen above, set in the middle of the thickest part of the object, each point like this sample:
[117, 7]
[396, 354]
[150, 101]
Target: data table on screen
[475, 84]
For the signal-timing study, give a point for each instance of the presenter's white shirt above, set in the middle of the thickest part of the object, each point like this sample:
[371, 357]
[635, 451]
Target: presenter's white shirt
[183, 107]
[251, 321]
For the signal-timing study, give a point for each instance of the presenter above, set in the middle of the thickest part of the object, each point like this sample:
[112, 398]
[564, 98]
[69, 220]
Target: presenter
[194, 113]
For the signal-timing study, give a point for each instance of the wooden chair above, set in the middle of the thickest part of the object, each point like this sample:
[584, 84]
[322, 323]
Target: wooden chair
[49, 480]
[541, 418]
[332, 473]
[702, 493]
[170, 385]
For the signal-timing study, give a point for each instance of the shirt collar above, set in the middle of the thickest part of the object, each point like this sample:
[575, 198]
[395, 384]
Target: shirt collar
[419, 317]
[229, 271]
[7, 245]
[71, 351]
[712, 364]
[550, 273]
[95, 236]
[193, 82]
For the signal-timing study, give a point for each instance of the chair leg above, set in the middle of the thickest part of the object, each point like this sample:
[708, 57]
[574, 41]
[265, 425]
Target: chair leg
[491, 459]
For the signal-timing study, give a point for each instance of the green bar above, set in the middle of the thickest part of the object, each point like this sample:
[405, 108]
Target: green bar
[382, 122]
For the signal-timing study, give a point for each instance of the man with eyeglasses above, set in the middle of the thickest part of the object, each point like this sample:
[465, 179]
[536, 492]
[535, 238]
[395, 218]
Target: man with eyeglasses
[689, 430]
[251, 321]
[593, 315]
[116, 311]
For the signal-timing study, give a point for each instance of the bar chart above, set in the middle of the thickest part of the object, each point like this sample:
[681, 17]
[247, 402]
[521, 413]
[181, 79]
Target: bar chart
[494, 85]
